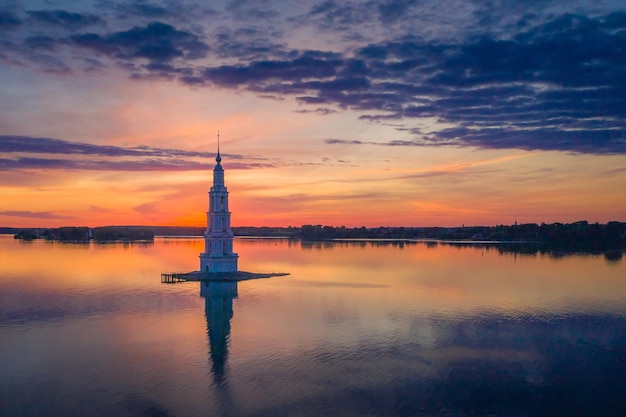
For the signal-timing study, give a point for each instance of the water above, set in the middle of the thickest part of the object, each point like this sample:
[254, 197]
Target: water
[357, 329]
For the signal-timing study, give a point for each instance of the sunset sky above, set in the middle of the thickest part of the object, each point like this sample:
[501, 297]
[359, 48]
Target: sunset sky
[375, 113]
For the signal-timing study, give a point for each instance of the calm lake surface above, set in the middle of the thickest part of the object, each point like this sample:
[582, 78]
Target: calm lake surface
[357, 329]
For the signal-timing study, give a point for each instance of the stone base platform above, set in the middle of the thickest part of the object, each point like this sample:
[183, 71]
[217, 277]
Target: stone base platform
[175, 277]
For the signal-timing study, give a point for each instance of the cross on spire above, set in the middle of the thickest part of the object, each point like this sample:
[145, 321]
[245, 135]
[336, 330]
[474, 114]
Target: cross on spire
[218, 158]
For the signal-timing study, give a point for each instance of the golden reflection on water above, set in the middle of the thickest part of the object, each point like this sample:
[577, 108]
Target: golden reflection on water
[418, 276]
[444, 277]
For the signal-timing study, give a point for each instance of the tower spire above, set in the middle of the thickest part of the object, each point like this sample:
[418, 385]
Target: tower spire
[218, 158]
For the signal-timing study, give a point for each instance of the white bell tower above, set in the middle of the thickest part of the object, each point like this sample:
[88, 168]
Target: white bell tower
[218, 253]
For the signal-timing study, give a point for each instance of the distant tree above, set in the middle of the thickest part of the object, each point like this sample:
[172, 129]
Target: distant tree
[111, 233]
[71, 234]
[27, 234]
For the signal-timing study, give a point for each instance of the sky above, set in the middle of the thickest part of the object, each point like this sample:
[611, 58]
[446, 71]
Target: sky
[357, 113]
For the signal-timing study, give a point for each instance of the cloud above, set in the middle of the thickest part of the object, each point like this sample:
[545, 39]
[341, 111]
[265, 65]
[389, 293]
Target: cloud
[491, 76]
[248, 43]
[174, 12]
[394, 142]
[560, 85]
[45, 43]
[56, 154]
[148, 209]
[147, 164]
[340, 16]
[345, 142]
[615, 171]
[9, 20]
[246, 10]
[136, 9]
[34, 214]
[393, 10]
[63, 18]
[584, 140]
[98, 209]
[321, 110]
[25, 144]
[297, 201]
[261, 75]
[157, 42]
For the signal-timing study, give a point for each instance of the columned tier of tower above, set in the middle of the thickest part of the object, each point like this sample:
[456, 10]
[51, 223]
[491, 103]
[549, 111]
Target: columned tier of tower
[219, 246]
[218, 200]
[218, 178]
[221, 263]
[218, 175]
[218, 224]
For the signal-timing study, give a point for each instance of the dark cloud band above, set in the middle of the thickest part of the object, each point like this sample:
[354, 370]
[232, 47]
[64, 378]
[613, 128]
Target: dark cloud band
[22, 152]
[63, 18]
[25, 144]
[33, 214]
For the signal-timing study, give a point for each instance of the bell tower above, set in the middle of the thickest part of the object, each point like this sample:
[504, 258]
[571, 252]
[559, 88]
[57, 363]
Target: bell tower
[218, 253]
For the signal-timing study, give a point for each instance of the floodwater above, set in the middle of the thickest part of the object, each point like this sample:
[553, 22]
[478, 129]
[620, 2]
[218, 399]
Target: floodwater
[356, 329]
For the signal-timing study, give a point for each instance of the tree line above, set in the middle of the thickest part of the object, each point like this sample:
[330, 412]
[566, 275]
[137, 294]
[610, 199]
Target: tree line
[567, 236]
[85, 234]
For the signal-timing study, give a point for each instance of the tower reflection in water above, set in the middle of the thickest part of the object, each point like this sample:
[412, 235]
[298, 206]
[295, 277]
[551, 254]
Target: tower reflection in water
[218, 306]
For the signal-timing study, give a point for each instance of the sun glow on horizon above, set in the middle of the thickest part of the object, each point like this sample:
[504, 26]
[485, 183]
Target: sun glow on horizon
[443, 194]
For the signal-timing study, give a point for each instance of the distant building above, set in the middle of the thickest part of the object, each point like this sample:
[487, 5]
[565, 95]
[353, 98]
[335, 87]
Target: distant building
[218, 253]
